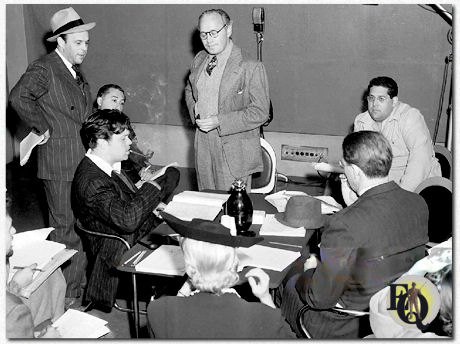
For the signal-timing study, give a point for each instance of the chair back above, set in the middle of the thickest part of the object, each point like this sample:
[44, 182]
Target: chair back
[444, 157]
[437, 192]
[265, 181]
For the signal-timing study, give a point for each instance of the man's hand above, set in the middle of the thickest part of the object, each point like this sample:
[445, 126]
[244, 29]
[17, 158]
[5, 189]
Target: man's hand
[49, 332]
[46, 137]
[208, 124]
[259, 282]
[146, 173]
[349, 196]
[22, 278]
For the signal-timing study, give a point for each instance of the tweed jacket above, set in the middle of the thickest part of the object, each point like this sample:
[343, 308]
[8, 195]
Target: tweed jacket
[243, 106]
[107, 205]
[48, 97]
[385, 221]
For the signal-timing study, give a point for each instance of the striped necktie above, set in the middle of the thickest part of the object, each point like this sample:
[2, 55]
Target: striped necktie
[79, 76]
[211, 65]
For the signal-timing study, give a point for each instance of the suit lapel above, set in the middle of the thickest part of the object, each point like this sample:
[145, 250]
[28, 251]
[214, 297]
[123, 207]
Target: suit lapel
[197, 71]
[231, 73]
[85, 97]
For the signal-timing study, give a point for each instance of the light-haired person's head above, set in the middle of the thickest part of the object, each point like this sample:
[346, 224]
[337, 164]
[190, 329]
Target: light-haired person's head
[370, 151]
[210, 267]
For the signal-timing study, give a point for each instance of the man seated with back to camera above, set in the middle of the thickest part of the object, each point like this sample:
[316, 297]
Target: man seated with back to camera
[137, 166]
[105, 200]
[364, 247]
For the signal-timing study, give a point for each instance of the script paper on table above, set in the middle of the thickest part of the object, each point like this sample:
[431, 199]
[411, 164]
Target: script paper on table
[166, 259]
[265, 257]
[192, 204]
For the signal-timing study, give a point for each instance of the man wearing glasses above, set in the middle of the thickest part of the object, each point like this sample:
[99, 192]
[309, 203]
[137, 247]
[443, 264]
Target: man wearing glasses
[406, 130]
[228, 99]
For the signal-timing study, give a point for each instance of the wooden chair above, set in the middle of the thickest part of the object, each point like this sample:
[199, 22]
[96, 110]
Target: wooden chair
[265, 181]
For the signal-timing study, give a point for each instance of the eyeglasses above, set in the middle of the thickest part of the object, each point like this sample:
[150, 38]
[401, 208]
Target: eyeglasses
[380, 99]
[212, 33]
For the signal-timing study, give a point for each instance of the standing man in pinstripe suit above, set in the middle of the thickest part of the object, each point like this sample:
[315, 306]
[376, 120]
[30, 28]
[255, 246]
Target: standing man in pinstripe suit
[54, 95]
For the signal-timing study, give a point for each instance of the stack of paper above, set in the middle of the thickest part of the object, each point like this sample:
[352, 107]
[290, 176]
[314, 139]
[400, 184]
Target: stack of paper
[280, 199]
[166, 259]
[265, 257]
[272, 227]
[193, 204]
[76, 324]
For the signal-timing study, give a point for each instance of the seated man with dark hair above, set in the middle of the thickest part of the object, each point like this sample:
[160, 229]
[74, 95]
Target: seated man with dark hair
[106, 201]
[364, 247]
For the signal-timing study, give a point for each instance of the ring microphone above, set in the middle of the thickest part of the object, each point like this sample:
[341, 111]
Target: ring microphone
[258, 19]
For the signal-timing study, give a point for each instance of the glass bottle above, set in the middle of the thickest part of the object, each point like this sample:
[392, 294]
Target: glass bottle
[239, 206]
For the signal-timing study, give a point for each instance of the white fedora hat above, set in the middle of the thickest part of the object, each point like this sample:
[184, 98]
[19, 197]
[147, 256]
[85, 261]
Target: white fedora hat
[67, 21]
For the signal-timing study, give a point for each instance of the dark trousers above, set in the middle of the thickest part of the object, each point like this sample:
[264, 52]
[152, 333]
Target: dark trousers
[62, 219]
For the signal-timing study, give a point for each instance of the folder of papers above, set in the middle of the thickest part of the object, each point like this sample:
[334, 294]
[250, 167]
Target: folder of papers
[272, 227]
[29, 248]
[193, 204]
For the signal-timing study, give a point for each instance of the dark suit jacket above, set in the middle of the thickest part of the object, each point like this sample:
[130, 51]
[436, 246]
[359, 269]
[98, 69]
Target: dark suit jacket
[385, 221]
[107, 205]
[244, 105]
[19, 323]
[48, 97]
[208, 316]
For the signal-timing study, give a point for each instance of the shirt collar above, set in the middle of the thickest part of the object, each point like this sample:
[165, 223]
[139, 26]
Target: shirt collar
[102, 164]
[223, 56]
[67, 63]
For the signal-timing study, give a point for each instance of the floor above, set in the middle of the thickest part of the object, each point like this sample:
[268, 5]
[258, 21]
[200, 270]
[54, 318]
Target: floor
[29, 207]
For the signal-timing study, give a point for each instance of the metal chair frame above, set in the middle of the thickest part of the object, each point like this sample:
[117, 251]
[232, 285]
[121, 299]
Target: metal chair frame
[447, 154]
[272, 182]
[135, 309]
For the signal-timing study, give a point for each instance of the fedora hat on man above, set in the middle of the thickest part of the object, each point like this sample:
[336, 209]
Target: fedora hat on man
[302, 211]
[208, 231]
[67, 21]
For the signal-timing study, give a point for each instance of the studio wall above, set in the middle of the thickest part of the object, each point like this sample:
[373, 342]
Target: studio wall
[319, 58]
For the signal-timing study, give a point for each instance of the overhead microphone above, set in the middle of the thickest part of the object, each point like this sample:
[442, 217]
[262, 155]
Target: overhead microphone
[258, 19]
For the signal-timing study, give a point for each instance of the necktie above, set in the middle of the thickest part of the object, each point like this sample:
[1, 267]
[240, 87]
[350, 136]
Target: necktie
[211, 65]
[79, 76]
[125, 180]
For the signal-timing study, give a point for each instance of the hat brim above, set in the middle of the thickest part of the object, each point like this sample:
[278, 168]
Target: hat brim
[79, 28]
[308, 225]
[208, 231]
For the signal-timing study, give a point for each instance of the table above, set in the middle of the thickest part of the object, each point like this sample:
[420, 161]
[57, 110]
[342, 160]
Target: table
[259, 203]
